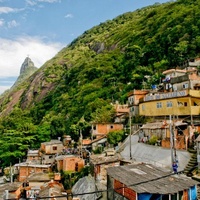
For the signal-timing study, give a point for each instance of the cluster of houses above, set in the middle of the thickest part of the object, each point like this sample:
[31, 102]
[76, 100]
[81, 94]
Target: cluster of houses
[172, 106]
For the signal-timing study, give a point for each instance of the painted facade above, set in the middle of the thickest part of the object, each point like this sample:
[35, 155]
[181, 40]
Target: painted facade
[70, 163]
[102, 129]
[26, 169]
[177, 103]
[134, 98]
[179, 97]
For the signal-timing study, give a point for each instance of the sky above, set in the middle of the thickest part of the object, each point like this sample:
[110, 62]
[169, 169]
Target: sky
[39, 29]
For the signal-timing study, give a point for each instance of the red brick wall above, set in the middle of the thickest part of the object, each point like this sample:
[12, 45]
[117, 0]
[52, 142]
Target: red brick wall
[129, 194]
[124, 191]
[118, 186]
[25, 171]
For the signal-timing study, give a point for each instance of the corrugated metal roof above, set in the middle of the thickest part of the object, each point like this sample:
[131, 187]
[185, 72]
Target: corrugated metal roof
[145, 178]
[162, 124]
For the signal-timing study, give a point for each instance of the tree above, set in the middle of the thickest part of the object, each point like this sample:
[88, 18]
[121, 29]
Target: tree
[103, 114]
[115, 137]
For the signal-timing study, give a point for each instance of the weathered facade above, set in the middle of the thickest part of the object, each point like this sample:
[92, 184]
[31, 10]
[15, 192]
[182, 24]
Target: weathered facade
[144, 181]
[102, 129]
[134, 98]
[25, 169]
[100, 163]
[10, 190]
[70, 163]
[49, 150]
[179, 97]
[161, 129]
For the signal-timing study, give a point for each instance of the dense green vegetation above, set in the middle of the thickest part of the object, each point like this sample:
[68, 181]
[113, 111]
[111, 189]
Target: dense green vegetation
[99, 68]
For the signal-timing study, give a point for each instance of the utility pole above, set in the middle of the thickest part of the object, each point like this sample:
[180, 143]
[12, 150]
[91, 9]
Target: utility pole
[81, 141]
[174, 159]
[130, 134]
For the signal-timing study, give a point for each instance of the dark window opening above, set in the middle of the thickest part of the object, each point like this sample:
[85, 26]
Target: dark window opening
[54, 148]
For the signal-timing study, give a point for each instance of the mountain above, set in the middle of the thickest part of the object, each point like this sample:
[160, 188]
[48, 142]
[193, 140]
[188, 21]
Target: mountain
[98, 68]
[26, 70]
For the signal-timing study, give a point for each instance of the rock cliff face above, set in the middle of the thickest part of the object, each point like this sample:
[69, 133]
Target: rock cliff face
[13, 96]
[26, 70]
[27, 64]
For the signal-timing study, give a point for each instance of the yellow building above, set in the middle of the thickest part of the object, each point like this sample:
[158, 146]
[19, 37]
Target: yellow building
[177, 103]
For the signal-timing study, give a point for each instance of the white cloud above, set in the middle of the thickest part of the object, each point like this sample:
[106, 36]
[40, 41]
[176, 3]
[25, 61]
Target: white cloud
[14, 52]
[12, 23]
[31, 2]
[1, 22]
[6, 10]
[69, 15]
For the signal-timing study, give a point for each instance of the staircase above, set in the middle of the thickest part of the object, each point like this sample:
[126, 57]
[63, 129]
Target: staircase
[192, 164]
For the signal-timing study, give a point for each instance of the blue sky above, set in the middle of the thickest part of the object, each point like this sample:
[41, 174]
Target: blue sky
[41, 28]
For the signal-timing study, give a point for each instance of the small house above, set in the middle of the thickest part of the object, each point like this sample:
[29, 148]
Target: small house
[102, 129]
[71, 163]
[144, 181]
[26, 169]
[49, 150]
[33, 156]
[161, 130]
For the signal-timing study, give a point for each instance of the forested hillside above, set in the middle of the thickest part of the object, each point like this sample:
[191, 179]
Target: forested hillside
[100, 67]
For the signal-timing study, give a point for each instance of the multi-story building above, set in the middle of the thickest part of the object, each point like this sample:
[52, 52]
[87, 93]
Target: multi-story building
[180, 97]
[134, 98]
[49, 150]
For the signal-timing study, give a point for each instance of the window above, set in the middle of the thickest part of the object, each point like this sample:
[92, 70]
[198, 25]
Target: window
[159, 105]
[185, 85]
[143, 107]
[54, 148]
[76, 167]
[111, 126]
[169, 104]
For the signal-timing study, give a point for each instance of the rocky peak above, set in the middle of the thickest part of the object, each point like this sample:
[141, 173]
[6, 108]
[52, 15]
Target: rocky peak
[28, 63]
[27, 69]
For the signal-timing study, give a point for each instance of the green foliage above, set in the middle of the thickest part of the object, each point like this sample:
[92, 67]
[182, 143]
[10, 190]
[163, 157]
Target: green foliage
[70, 178]
[103, 114]
[153, 140]
[115, 137]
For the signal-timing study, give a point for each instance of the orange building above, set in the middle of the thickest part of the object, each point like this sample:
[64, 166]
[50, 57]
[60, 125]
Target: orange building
[25, 169]
[101, 129]
[70, 163]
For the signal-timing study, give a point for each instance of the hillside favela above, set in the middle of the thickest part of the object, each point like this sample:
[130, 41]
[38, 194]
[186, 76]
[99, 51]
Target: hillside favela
[115, 115]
